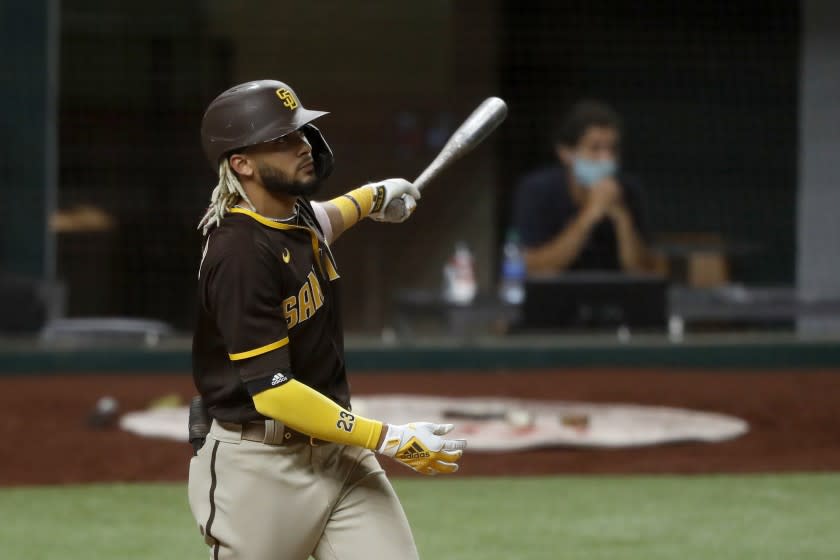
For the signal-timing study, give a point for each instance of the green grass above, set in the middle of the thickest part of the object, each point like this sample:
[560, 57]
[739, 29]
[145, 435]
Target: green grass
[592, 518]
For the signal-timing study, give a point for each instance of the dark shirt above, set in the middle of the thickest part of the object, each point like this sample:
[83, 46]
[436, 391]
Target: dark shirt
[543, 207]
[268, 313]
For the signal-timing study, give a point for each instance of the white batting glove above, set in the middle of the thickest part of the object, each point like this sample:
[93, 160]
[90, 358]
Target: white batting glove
[386, 191]
[420, 446]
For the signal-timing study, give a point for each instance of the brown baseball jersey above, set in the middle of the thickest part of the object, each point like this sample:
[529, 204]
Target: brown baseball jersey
[268, 312]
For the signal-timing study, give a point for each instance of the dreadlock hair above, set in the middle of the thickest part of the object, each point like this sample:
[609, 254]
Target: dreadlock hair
[227, 193]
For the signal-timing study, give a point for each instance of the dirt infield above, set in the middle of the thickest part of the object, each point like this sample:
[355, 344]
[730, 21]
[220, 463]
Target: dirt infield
[793, 417]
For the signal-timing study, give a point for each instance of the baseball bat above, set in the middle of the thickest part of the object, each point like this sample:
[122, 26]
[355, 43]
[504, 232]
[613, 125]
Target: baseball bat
[470, 134]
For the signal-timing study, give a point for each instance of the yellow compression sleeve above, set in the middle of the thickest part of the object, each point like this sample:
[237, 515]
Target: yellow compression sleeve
[306, 410]
[358, 204]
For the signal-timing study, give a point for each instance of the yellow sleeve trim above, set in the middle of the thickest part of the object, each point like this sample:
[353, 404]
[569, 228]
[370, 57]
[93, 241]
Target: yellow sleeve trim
[304, 409]
[332, 273]
[261, 350]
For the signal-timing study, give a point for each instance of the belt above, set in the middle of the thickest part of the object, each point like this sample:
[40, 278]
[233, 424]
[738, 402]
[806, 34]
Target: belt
[256, 431]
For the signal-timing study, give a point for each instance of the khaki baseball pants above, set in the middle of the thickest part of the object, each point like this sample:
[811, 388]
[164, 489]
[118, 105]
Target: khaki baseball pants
[269, 501]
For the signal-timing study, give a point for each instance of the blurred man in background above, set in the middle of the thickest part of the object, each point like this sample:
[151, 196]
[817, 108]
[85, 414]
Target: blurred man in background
[583, 214]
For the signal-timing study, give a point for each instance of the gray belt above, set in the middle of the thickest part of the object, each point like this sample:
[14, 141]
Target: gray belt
[269, 432]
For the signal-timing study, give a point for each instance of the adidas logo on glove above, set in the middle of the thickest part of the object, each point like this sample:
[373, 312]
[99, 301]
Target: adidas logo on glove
[278, 379]
[413, 452]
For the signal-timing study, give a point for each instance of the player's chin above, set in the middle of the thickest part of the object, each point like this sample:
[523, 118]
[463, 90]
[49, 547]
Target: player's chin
[305, 179]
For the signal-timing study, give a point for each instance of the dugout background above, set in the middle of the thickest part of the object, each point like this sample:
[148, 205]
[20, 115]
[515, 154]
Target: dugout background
[708, 92]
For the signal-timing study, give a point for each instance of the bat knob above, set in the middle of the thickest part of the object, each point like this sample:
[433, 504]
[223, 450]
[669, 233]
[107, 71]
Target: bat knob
[395, 211]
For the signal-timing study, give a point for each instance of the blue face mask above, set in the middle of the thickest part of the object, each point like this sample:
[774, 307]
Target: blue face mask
[587, 172]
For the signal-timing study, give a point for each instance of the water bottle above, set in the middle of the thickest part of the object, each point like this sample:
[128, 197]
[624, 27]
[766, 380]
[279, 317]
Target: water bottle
[512, 285]
[459, 286]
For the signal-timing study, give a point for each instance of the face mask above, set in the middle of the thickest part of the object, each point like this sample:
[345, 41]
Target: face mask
[587, 172]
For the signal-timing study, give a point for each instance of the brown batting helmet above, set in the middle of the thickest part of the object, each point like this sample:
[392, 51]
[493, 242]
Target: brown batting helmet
[257, 112]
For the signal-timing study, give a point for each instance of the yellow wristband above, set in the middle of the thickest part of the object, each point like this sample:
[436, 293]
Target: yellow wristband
[364, 197]
[350, 210]
[356, 205]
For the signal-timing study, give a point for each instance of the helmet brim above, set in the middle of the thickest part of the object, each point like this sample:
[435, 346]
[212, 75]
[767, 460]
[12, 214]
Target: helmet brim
[302, 117]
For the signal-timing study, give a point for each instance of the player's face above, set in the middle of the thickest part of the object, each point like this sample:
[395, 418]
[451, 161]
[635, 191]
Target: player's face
[598, 143]
[285, 165]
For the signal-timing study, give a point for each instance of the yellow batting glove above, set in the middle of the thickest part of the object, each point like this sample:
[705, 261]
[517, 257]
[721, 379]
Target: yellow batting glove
[420, 446]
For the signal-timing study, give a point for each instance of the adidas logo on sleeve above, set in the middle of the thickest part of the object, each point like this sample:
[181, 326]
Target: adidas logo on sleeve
[278, 379]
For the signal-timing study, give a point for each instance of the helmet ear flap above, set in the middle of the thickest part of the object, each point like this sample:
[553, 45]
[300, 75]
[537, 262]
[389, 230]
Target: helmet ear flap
[321, 152]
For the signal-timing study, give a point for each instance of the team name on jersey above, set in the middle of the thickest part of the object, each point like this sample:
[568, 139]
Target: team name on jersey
[310, 298]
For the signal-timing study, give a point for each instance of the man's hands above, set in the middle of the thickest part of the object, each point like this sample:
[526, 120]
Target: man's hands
[603, 197]
[420, 446]
[389, 189]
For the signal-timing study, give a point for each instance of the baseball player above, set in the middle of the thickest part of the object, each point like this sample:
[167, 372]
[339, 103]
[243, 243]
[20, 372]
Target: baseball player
[287, 469]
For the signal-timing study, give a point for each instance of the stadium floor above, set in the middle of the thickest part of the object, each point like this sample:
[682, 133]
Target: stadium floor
[792, 416]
